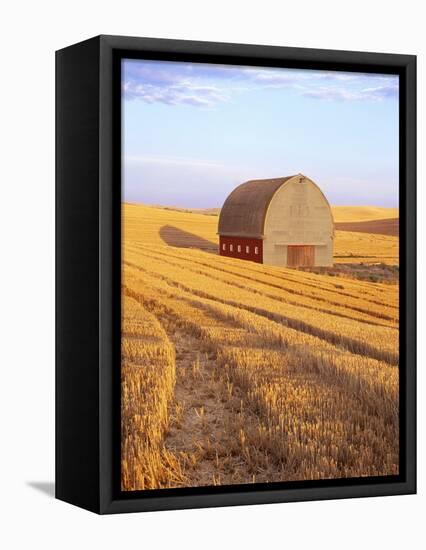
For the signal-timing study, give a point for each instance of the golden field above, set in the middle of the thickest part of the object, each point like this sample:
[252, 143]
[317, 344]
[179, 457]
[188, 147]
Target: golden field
[363, 213]
[161, 226]
[235, 372]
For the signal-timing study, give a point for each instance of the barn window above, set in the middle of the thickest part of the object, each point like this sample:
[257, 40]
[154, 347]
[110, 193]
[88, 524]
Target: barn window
[256, 250]
[247, 249]
[231, 247]
[224, 246]
[239, 248]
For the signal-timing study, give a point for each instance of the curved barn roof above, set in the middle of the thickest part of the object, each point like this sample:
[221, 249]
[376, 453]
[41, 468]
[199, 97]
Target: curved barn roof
[244, 211]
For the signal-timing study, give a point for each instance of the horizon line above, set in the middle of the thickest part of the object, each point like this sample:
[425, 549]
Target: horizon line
[157, 205]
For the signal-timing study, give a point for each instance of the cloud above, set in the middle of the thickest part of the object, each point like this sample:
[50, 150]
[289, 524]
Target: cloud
[271, 77]
[206, 85]
[382, 92]
[342, 94]
[295, 78]
[185, 93]
[173, 83]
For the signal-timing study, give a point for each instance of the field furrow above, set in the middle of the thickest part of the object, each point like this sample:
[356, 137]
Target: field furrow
[208, 415]
[343, 293]
[362, 375]
[147, 386]
[377, 342]
[385, 317]
[315, 420]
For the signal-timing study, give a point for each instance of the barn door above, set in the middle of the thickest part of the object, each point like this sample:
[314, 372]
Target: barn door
[301, 256]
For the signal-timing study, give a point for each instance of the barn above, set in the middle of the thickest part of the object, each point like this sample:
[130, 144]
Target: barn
[282, 221]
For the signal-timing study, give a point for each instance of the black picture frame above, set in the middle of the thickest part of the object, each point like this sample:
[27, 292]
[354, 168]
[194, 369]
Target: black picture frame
[88, 266]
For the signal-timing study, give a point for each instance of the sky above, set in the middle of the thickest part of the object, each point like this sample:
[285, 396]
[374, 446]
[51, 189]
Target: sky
[192, 132]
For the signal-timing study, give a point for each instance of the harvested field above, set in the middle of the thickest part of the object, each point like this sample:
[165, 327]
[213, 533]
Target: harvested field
[235, 372]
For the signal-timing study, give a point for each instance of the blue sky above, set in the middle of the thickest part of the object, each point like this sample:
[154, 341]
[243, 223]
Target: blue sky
[192, 132]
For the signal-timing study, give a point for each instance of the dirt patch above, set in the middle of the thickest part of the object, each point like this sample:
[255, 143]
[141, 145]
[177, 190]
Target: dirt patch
[209, 420]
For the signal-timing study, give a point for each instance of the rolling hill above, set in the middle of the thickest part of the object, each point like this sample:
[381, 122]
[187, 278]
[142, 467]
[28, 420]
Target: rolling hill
[362, 213]
[388, 226]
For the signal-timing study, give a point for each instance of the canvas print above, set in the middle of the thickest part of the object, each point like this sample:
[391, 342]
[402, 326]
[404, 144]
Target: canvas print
[260, 275]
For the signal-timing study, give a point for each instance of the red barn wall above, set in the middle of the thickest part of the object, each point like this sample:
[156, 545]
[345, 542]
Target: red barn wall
[243, 242]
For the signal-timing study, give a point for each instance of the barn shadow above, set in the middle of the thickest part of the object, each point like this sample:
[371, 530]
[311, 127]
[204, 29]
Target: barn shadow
[173, 236]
